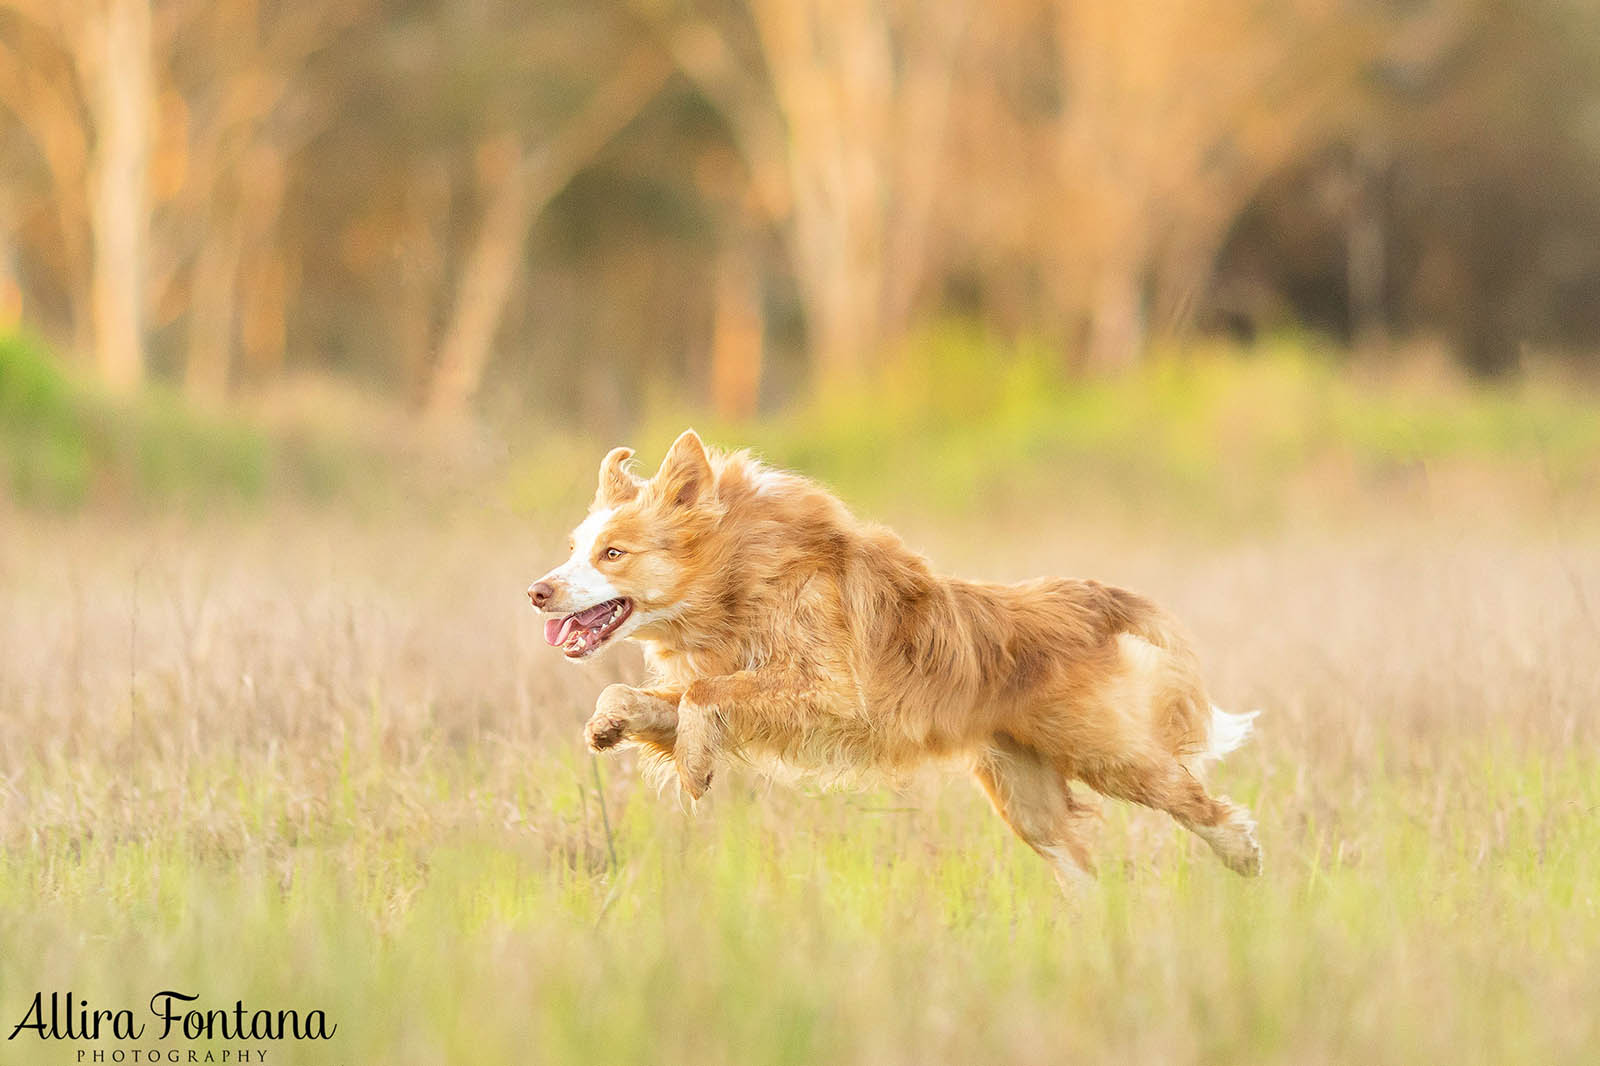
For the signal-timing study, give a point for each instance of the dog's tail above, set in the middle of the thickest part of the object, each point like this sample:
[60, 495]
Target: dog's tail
[1227, 732]
[1205, 738]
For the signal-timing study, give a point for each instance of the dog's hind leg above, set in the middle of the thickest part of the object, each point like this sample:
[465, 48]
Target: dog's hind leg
[1169, 786]
[1036, 801]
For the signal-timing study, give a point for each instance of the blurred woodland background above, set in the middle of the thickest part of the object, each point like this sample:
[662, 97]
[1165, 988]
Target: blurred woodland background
[317, 315]
[558, 209]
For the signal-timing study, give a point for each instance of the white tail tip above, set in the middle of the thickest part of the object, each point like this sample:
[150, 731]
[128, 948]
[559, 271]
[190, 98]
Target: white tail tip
[1228, 731]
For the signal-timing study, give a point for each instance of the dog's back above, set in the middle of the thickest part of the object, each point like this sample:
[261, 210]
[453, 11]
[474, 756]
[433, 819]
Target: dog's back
[918, 665]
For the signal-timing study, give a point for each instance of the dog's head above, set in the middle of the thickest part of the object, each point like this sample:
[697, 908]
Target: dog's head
[636, 556]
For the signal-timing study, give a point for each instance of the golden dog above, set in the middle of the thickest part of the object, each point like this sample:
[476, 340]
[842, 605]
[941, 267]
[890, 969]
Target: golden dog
[779, 627]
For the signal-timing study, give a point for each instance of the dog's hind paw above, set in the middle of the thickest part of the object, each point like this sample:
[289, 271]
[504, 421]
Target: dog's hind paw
[1244, 860]
[1234, 841]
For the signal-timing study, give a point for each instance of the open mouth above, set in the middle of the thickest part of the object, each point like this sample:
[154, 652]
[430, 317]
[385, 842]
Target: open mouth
[580, 633]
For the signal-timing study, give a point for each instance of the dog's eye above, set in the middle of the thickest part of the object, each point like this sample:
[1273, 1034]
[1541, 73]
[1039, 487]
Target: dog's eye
[615, 553]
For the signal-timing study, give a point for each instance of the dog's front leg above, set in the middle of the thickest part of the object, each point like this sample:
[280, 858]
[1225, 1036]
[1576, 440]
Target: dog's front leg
[622, 712]
[702, 731]
[718, 712]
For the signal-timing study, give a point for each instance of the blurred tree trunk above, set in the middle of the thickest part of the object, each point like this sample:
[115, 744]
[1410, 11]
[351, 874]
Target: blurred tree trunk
[1116, 322]
[529, 179]
[189, 194]
[1173, 114]
[10, 291]
[264, 313]
[485, 282]
[240, 128]
[212, 301]
[1366, 254]
[424, 211]
[40, 90]
[842, 122]
[864, 158]
[225, 313]
[119, 72]
[737, 334]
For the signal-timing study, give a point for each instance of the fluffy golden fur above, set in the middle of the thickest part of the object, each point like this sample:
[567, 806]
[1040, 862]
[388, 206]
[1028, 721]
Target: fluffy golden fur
[780, 628]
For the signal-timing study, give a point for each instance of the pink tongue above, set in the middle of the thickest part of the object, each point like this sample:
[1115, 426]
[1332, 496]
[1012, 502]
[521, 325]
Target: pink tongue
[556, 630]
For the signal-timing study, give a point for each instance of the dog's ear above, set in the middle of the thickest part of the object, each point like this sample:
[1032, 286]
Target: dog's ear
[685, 474]
[617, 483]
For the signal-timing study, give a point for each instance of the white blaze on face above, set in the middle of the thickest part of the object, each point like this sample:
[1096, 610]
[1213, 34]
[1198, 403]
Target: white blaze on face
[583, 585]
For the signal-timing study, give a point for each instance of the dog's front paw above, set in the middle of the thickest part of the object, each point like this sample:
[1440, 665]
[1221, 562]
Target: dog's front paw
[696, 782]
[700, 737]
[605, 730]
[696, 764]
[612, 718]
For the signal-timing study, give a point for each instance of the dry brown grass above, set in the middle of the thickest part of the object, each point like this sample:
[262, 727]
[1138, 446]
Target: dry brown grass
[307, 759]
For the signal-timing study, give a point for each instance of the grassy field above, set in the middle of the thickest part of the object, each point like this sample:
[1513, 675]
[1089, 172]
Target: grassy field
[319, 762]
[277, 726]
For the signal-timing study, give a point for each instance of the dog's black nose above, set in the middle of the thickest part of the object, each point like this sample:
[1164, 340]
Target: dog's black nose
[540, 593]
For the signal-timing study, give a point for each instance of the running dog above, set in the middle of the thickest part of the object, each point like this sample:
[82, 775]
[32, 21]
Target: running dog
[778, 627]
